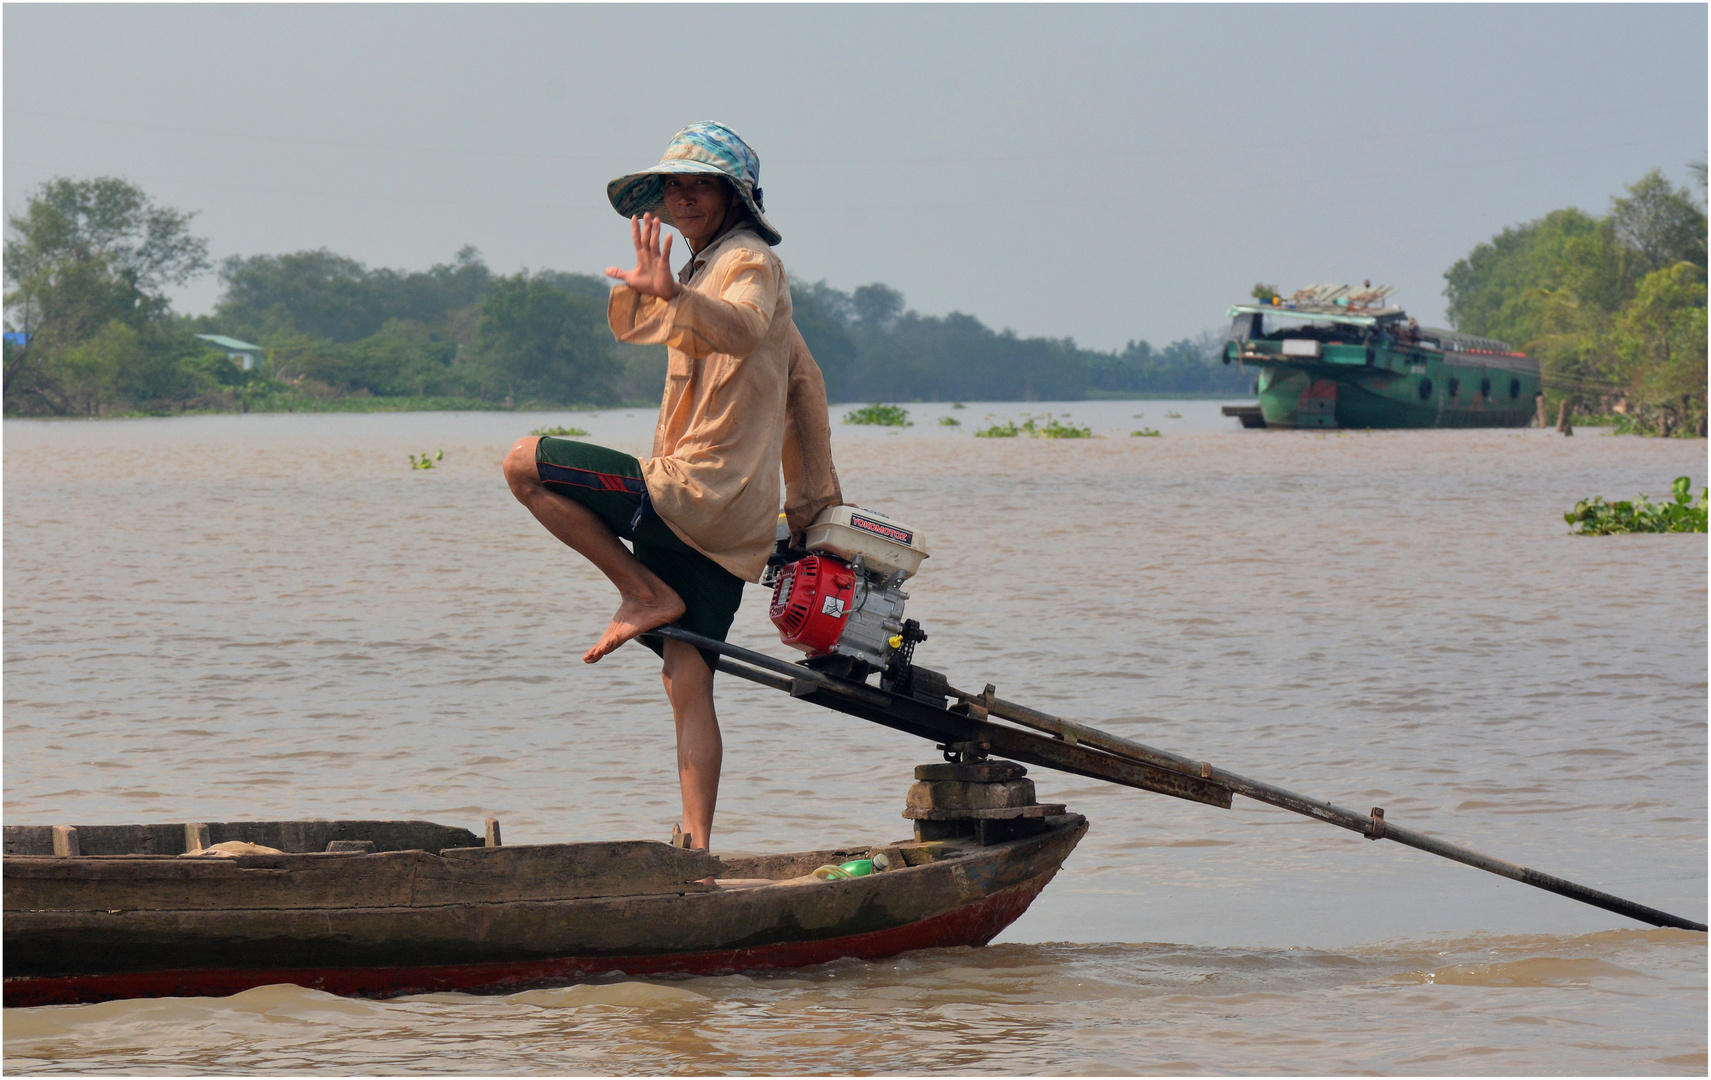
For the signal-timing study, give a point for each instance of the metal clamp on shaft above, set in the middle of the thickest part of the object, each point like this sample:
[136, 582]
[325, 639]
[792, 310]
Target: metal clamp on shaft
[1376, 830]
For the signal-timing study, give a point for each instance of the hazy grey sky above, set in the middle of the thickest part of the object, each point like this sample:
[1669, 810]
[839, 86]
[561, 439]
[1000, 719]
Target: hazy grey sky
[1106, 172]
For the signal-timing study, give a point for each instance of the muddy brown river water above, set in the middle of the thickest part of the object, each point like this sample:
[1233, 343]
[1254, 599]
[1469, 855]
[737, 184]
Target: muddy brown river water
[216, 618]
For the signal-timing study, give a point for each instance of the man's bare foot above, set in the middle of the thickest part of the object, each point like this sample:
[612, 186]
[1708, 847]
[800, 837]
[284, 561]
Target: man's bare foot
[637, 615]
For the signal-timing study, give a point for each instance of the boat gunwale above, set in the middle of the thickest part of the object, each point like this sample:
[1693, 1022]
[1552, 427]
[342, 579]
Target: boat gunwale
[940, 854]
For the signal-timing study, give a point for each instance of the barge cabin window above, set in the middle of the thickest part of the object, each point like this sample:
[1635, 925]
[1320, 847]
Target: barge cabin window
[1275, 326]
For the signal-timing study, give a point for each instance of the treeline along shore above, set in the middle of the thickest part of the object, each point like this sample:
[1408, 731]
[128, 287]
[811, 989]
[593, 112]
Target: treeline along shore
[1613, 306]
[90, 331]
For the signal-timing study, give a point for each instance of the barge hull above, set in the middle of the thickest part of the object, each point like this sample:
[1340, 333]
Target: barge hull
[1300, 399]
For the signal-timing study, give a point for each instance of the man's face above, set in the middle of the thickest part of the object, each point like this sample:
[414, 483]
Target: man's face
[697, 203]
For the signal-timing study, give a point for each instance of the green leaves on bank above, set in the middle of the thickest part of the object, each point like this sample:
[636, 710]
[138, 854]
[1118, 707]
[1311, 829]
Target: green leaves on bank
[1614, 308]
[90, 330]
[1595, 517]
[869, 345]
[87, 265]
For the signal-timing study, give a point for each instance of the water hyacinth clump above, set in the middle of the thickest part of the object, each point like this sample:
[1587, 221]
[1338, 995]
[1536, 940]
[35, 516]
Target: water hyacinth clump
[949, 421]
[1058, 429]
[1595, 517]
[1145, 433]
[880, 415]
[1050, 428]
[426, 462]
[559, 432]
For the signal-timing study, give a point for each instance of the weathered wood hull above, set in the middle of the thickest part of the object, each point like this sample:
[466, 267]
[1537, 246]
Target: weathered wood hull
[428, 939]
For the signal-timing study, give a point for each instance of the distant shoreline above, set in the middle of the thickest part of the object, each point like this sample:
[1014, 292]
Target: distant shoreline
[438, 404]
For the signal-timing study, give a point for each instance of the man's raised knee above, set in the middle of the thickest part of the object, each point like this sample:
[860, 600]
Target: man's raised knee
[520, 468]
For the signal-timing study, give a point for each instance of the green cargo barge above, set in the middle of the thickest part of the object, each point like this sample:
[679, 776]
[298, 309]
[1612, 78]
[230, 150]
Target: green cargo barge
[1337, 356]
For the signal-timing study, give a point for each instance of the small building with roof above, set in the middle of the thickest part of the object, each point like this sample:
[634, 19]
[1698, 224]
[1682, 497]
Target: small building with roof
[242, 353]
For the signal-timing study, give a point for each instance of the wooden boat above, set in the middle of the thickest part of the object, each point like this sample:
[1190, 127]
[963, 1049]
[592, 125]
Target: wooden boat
[406, 907]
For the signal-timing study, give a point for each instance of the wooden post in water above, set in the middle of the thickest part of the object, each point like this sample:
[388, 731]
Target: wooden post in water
[1543, 419]
[1565, 426]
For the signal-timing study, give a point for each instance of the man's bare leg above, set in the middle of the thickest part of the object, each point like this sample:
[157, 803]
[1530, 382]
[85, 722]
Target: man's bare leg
[645, 601]
[700, 751]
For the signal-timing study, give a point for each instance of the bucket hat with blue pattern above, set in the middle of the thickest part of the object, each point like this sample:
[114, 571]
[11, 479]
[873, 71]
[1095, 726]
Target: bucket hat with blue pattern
[705, 147]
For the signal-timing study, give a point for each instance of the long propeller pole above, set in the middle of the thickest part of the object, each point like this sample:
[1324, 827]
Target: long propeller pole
[1372, 825]
[795, 679]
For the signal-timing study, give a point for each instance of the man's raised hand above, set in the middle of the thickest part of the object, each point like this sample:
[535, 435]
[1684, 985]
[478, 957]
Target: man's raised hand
[652, 275]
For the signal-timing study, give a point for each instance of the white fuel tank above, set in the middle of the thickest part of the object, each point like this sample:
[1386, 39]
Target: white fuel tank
[887, 546]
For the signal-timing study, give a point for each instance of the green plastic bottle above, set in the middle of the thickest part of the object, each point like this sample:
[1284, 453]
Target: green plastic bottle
[852, 869]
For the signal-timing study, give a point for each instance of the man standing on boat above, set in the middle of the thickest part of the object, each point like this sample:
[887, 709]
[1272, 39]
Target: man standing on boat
[743, 397]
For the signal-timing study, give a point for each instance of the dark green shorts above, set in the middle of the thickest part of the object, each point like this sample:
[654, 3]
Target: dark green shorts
[610, 484]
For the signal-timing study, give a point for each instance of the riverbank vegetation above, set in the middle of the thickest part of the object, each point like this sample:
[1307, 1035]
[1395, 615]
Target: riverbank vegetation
[90, 331]
[1613, 307]
[1595, 517]
[870, 346]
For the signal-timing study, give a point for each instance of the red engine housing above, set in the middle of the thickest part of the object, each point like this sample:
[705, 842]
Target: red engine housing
[809, 601]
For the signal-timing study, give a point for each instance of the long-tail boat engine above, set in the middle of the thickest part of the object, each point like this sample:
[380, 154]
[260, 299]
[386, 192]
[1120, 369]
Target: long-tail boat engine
[839, 597]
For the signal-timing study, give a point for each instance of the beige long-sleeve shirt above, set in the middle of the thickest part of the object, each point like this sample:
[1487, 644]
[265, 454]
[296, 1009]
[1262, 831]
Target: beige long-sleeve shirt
[743, 397]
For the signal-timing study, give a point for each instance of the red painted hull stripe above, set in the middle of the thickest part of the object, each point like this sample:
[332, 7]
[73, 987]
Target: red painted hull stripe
[972, 924]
